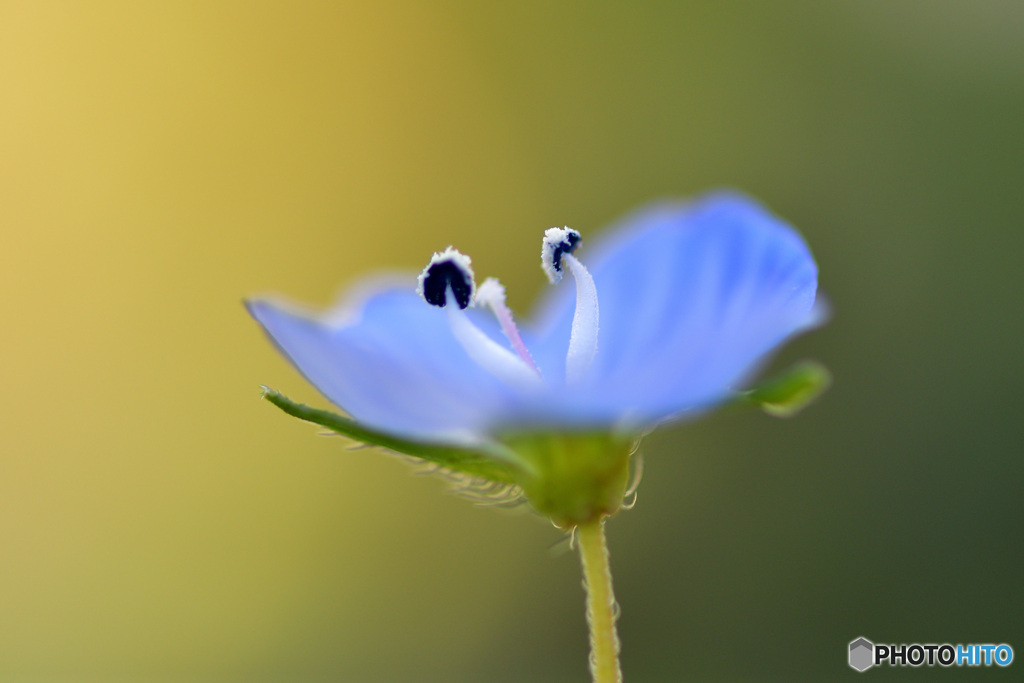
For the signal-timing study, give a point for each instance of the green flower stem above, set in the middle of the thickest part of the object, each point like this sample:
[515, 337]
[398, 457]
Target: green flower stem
[601, 609]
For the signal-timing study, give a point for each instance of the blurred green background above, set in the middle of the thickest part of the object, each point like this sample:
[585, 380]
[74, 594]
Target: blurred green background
[159, 161]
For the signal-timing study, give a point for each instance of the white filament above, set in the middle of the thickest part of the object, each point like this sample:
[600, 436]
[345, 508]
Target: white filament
[583, 339]
[487, 353]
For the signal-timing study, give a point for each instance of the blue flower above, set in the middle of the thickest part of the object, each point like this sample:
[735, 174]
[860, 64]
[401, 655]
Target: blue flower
[675, 310]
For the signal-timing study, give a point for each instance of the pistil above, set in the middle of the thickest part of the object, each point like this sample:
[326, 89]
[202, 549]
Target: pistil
[489, 354]
[492, 294]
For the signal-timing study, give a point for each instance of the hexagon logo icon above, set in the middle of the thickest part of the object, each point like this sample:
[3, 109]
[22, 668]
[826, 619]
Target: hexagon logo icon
[862, 654]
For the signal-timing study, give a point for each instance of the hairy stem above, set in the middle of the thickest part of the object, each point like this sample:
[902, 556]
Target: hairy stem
[601, 608]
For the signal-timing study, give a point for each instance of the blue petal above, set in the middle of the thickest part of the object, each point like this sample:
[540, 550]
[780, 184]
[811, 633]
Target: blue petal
[391, 362]
[692, 298]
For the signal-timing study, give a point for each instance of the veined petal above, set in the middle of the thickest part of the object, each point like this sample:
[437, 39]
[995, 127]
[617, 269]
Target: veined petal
[693, 297]
[392, 362]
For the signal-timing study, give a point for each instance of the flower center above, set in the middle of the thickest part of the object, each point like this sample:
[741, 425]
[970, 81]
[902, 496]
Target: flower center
[447, 282]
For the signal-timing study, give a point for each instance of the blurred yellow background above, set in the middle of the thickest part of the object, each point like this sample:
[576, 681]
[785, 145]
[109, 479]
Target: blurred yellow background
[158, 162]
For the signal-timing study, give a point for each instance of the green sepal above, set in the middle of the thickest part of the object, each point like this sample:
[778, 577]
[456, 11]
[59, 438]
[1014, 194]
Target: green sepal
[489, 463]
[787, 394]
[574, 478]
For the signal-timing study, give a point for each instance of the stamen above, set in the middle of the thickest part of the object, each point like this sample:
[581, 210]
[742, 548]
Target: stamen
[489, 354]
[448, 270]
[583, 338]
[558, 246]
[492, 294]
[557, 243]
[447, 282]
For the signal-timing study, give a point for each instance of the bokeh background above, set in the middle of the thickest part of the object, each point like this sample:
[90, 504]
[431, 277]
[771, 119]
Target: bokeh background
[159, 161]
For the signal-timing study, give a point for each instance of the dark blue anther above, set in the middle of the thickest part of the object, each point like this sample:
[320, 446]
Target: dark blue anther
[566, 246]
[442, 275]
